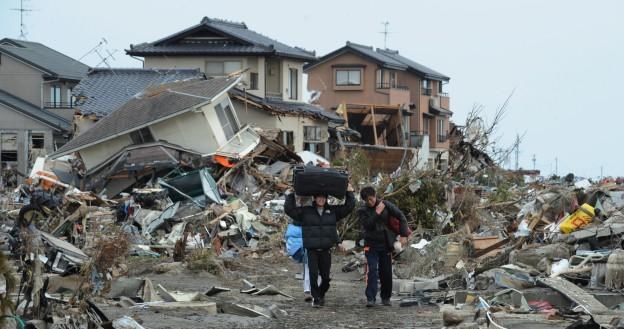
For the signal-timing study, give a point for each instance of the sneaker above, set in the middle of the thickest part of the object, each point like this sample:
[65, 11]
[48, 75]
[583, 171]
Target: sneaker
[322, 301]
[370, 303]
[386, 302]
[307, 296]
[316, 303]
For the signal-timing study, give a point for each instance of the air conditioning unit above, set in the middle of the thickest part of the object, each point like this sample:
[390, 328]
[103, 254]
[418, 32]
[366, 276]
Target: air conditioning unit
[434, 102]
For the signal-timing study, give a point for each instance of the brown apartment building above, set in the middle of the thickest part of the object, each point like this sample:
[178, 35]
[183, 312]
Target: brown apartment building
[389, 99]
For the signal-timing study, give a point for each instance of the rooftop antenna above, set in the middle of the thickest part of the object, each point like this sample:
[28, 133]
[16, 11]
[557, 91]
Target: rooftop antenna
[100, 44]
[104, 59]
[385, 33]
[22, 11]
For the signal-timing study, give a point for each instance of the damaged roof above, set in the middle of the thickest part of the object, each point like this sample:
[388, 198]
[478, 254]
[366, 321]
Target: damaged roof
[288, 108]
[105, 90]
[44, 59]
[153, 105]
[385, 57]
[46, 117]
[219, 37]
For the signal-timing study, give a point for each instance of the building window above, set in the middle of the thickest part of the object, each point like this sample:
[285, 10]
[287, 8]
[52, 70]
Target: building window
[37, 140]
[71, 100]
[141, 136]
[293, 74]
[55, 96]
[219, 69]
[348, 77]
[311, 133]
[253, 81]
[440, 88]
[441, 131]
[385, 79]
[426, 90]
[226, 118]
[287, 138]
[426, 123]
[8, 147]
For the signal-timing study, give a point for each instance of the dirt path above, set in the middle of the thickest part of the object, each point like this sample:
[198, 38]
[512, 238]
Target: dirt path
[344, 302]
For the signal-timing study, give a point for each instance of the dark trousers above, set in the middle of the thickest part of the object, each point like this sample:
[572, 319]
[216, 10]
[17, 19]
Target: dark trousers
[379, 268]
[319, 263]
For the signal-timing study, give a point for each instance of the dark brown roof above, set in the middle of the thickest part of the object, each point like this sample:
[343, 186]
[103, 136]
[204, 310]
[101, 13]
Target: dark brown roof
[219, 37]
[148, 107]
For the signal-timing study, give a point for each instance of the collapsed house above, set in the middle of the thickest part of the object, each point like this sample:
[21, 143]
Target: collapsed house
[162, 127]
[103, 91]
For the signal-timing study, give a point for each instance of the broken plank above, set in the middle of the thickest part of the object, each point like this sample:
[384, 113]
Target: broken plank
[576, 294]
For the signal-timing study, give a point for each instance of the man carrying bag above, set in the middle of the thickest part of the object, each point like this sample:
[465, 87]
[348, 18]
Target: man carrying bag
[378, 220]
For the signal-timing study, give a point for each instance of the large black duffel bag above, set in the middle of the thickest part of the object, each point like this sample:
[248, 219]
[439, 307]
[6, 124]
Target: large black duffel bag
[310, 180]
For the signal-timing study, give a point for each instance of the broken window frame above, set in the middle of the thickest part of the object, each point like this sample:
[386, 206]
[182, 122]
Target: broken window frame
[227, 119]
[287, 138]
[8, 154]
[426, 125]
[38, 136]
[312, 134]
[142, 136]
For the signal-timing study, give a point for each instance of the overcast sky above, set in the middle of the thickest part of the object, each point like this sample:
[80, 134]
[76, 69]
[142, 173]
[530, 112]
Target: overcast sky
[564, 58]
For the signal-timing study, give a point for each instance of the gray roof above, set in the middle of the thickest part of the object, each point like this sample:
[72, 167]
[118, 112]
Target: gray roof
[148, 107]
[105, 90]
[419, 68]
[385, 57]
[44, 58]
[238, 39]
[48, 118]
[290, 108]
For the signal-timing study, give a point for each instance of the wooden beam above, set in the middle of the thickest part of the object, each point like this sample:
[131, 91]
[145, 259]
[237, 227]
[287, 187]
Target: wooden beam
[374, 123]
[345, 113]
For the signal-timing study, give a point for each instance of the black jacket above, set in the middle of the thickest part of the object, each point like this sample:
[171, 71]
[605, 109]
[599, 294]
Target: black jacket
[376, 233]
[319, 232]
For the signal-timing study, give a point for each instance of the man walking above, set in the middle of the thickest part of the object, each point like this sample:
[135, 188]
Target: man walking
[318, 224]
[378, 243]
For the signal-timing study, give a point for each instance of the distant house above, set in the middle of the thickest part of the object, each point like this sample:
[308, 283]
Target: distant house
[391, 100]
[272, 76]
[36, 85]
[104, 90]
[192, 117]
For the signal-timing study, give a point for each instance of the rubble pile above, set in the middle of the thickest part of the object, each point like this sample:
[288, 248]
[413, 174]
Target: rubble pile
[70, 250]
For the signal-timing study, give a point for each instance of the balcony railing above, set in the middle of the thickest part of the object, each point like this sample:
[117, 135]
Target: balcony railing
[58, 105]
[443, 94]
[388, 85]
[416, 138]
[426, 91]
[442, 138]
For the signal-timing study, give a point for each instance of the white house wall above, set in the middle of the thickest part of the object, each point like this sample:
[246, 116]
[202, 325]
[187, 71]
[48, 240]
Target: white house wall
[254, 64]
[190, 130]
[21, 80]
[96, 154]
[254, 116]
[286, 66]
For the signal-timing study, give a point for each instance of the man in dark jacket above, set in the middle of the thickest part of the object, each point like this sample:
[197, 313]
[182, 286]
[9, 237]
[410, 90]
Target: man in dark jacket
[318, 226]
[378, 243]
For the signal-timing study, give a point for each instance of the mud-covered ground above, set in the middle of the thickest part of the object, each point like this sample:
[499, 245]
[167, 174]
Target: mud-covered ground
[344, 301]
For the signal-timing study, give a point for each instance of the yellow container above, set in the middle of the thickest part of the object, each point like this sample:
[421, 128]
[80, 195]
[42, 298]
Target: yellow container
[577, 219]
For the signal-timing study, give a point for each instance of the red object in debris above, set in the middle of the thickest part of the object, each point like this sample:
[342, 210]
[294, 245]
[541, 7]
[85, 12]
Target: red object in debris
[224, 161]
[543, 307]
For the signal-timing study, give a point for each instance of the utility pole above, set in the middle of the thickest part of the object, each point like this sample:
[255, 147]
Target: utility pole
[601, 176]
[22, 11]
[385, 33]
[556, 166]
[533, 161]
